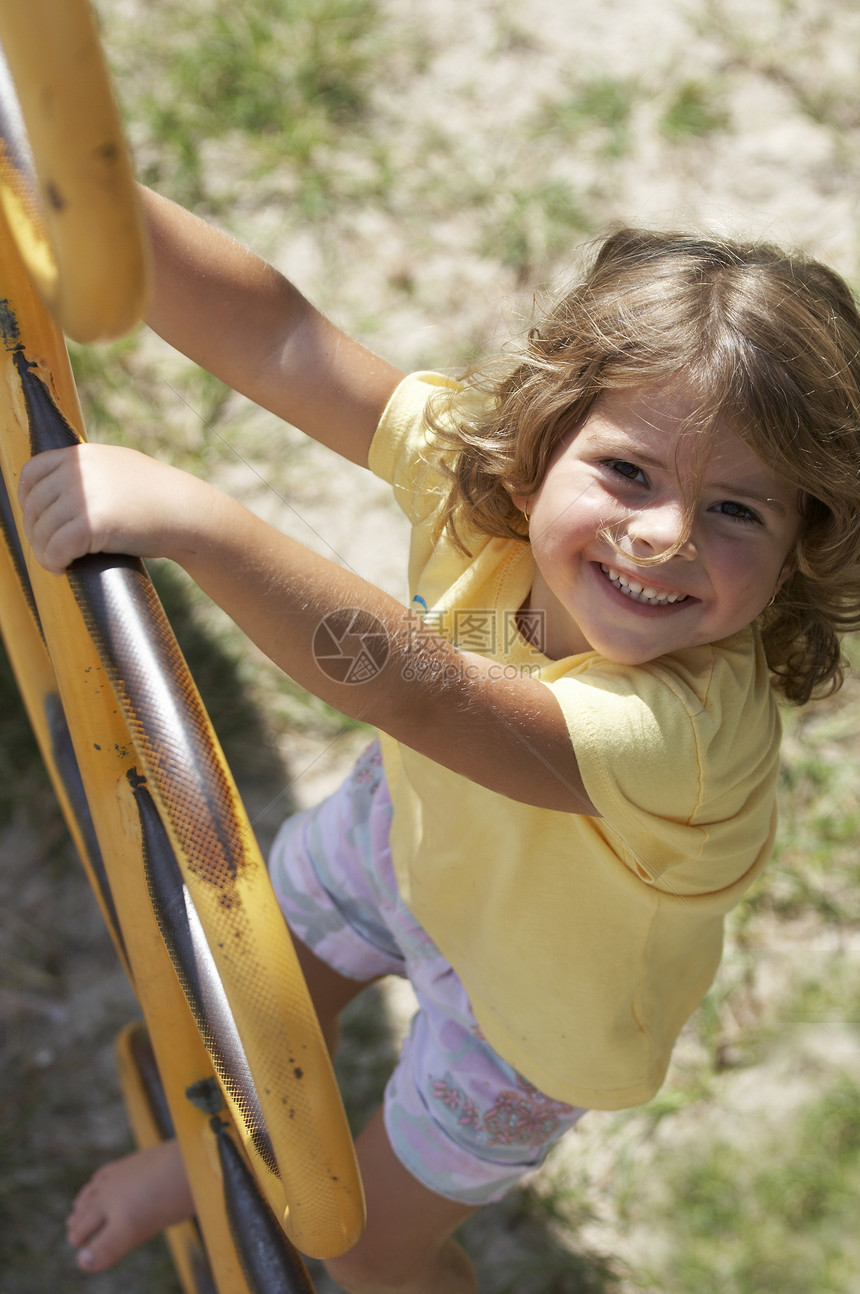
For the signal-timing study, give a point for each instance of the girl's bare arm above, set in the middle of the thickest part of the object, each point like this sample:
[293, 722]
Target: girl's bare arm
[235, 315]
[508, 735]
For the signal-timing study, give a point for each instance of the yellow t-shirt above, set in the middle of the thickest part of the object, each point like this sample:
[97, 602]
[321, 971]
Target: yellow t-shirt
[584, 943]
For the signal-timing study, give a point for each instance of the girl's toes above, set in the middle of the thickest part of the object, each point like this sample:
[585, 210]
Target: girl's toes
[100, 1252]
[86, 1218]
[98, 1225]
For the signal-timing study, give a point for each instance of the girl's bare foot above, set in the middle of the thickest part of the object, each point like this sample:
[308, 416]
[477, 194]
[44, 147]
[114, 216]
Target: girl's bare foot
[127, 1203]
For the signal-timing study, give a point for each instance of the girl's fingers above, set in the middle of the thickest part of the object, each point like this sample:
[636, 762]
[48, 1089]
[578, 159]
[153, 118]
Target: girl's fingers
[53, 511]
[56, 545]
[107, 498]
[42, 482]
[40, 468]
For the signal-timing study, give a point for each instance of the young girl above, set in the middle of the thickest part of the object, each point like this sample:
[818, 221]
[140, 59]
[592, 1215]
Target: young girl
[623, 548]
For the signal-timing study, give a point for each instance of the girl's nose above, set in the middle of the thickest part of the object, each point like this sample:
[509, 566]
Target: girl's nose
[663, 528]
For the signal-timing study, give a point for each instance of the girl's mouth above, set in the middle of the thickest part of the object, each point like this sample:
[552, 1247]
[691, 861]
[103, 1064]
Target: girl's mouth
[639, 592]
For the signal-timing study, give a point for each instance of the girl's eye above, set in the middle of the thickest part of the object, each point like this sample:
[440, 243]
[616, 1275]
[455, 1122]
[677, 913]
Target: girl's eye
[629, 471]
[737, 511]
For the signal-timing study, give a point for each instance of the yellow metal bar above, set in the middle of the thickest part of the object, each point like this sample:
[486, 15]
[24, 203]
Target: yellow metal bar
[83, 241]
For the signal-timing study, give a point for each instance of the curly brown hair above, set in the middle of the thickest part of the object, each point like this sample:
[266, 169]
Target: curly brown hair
[770, 344]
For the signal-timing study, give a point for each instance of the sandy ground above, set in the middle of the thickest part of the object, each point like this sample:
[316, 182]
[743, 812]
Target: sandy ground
[473, 127]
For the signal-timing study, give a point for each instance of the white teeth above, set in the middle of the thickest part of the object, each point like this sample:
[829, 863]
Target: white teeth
[640, 592]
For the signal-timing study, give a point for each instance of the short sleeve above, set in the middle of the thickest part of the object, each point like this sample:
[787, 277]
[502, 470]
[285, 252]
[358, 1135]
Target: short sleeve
[402, 451]
[680, 758]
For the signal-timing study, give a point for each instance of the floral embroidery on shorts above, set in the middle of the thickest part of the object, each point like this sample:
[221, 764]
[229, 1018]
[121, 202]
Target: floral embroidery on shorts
[526, 1117]
[368, 765]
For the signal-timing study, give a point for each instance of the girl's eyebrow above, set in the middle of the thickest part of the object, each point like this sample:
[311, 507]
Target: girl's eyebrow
[616, 448]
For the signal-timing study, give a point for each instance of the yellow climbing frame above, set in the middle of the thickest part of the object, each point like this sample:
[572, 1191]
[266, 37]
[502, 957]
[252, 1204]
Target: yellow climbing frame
[231, 1058]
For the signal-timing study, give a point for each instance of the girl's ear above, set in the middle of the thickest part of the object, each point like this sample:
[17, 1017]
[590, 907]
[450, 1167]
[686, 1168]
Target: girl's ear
[520, 500]
[523, 502]
[788, 568]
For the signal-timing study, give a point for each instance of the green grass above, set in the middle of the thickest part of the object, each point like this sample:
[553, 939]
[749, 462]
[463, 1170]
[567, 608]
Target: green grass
[104, 376]
[529, 227]
[695, 110]
[788, 46]
[826, 993]
[602, 106]
[276, 84]
[774, 1216]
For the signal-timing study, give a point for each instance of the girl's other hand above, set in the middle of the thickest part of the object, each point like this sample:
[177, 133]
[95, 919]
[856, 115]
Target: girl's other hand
[99, 499]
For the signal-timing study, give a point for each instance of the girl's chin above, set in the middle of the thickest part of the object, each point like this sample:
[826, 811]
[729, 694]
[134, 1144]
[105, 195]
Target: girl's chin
[625, 631]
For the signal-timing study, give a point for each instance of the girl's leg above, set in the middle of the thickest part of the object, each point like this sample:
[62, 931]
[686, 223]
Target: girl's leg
[407, 1247]
[330, 992]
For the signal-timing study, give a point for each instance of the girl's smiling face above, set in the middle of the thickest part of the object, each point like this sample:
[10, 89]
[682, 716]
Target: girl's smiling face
[619, 474]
